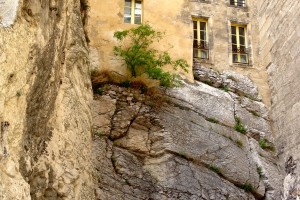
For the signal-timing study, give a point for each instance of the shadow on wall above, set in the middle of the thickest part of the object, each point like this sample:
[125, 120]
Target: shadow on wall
[8, 12]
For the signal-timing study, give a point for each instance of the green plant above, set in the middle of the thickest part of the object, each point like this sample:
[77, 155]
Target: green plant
[225, 88]
[239, 126]
[214, 168]
[247, 187]
[213, 120]
[19, 93]
[113, 160]
[265, 144]
[136, 48]
[98, 133]
[99, 91]
[259, 171]
[239, 143]
[254, 113]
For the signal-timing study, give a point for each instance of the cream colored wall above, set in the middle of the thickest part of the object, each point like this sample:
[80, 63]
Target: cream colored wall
[106, 17]
[175, 18]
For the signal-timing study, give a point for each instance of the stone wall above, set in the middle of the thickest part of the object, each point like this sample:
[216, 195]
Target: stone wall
[279, 32]
[45, 95]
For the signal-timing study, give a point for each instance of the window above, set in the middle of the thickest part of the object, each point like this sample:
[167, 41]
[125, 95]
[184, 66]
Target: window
[239, 3]
[239, 44]
[133, 11]
[200, 44]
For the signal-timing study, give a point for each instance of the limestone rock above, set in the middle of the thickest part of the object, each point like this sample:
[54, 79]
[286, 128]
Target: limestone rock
[185, 147]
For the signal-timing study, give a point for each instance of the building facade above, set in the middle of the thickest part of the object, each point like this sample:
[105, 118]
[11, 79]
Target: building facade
[220, 34]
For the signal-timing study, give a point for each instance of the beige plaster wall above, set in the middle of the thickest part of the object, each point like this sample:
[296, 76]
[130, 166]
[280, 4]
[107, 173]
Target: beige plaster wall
[106, 17]
[279, 32]
[175, 18]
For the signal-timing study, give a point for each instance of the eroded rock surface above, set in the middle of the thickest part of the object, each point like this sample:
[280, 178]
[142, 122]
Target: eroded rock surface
[45, 95]
[182, 145]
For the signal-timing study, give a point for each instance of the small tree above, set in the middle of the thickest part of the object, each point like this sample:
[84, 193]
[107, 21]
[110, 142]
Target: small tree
[136, 48]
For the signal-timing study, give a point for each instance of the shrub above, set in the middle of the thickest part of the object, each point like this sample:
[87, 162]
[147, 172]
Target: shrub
[239, 126]
[247, 187]
[136, 49]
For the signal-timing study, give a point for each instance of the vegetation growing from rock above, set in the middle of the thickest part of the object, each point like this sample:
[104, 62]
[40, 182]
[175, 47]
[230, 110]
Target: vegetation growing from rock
[215, 169]
[265, 144]
[136, 48]
[248, 187]
[239, 126]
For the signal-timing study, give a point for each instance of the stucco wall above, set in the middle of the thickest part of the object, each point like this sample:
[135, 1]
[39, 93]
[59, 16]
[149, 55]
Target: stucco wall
[175, 18]
[106, 17]
[279, 32]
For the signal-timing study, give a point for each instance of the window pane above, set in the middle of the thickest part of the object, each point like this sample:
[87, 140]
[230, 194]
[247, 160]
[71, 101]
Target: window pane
[127, 19]
[138, 5]
[138, 12]
[235, 58]
[202, 26]
[195, 34]
[231, 2]
[202, 35]
[241, 3]
[204, 54]
[128, 3]
[244, 58]
[137, 19]
[234, 48]
[233, 30]
[233, 39]
[127, 11]
[242, 40]
[195, 24]
[242, 31]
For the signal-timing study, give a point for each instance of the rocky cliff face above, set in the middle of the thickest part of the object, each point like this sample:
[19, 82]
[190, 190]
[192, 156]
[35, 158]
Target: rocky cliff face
[44, 102]
[201, 141]
[185, 144]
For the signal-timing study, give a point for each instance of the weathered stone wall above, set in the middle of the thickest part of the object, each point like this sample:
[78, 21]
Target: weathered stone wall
[279, 32]
[175, 18]
[45, 93]
[183, 144]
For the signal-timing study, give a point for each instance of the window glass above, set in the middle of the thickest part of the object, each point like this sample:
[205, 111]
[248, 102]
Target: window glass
[133, 16]
[203, 26]
[200, 47]
[238, 39]
[233, 30]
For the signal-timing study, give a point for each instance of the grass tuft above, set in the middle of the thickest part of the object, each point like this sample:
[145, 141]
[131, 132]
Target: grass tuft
[239, 126]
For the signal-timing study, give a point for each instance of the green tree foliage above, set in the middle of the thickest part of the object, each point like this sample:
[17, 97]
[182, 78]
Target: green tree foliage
[137, 48]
